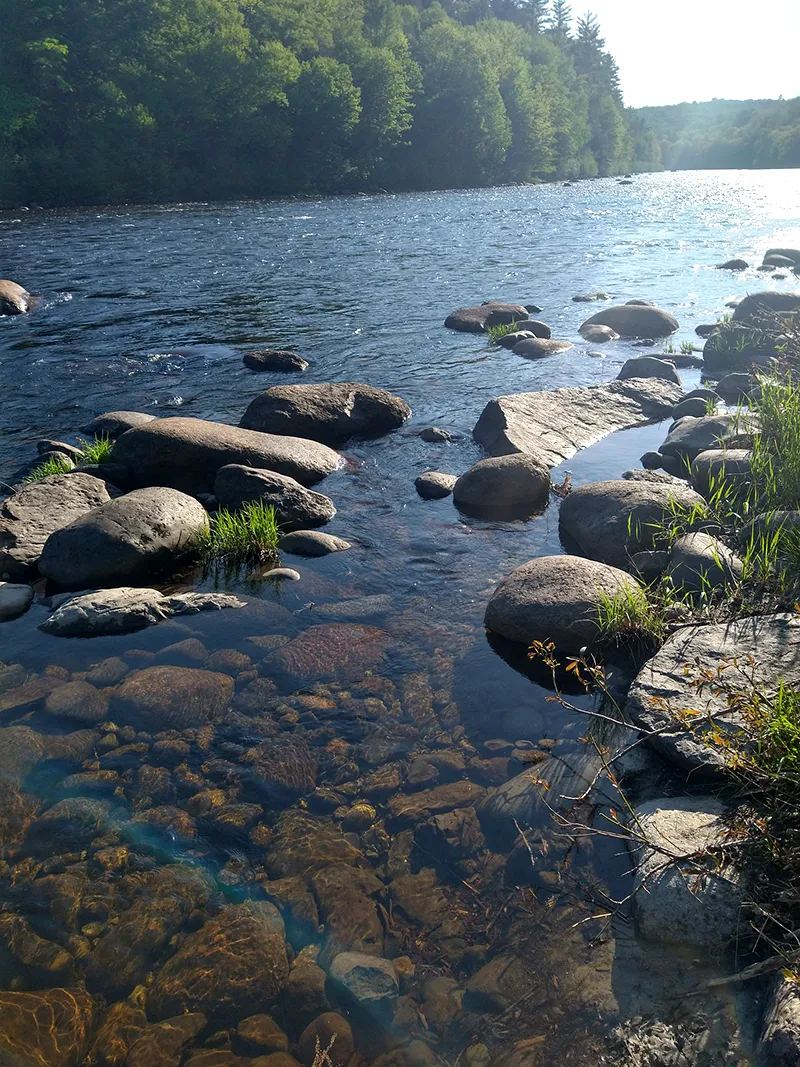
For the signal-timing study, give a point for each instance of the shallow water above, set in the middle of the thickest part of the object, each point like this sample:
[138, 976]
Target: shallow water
[149, 309]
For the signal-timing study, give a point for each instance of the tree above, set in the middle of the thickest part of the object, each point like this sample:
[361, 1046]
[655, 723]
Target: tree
[560, 21]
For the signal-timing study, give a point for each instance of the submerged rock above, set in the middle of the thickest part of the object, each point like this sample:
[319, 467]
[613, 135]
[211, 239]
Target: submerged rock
[332, 1031]
[636, 320]
[312, 543]
[186, 454]
[134, 536]
[554, 598]
[171, 698]
[302, 843]
[30, 516]
[435, 435]
[14, 300]
[479, 319]
[330, 413]
[49, 1028]
[517, 484]
[370, 982]
[434, 485]
[274, 359]
[295, 506]
[14, 600]
[159, 1045]
[556, 424]
[733, 264]
[341, 650]
[538, 348]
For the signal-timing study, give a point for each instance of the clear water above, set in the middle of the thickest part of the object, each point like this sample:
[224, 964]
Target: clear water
[150, 309]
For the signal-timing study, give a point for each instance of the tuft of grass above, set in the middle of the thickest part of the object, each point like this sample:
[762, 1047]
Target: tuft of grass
[241, 538]
[496, 332]
[629, 621]
[98, 450]
[669, 348]
[687, 348]
[776, 448]
[54, 465]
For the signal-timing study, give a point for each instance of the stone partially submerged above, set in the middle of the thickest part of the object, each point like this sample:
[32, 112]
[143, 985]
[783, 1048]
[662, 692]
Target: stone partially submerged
[479, 319]
[556, 424]
[635, 320]
[14, 300]
[126, 610]
[296, 507]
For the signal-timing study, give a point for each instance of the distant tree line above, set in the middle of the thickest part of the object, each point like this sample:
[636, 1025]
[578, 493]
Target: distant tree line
[723, 134]
[143, 100]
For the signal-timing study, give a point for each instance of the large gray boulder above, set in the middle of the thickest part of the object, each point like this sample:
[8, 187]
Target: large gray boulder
[554, 598]
[330, 413]
[689, 437]
[555, 424]
[740, 346]
[709, 468]
[14, 300]
[296, 507]
[787, 253]
[187, 453]
[30, 516]
[635, 320]
[610, 521]
[700, 563]
[649, 367]
[664, 691]
[134, 536]
[762, 308]
[114, 423]
[479, 319]
[518, 484]
[126, 610]
[682, 893]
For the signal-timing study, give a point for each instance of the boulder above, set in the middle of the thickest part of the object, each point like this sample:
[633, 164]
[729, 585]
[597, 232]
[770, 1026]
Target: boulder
[260, 1034]
[649, 367]
[635, 320]
[370, 982]
[733, 264]
[434, 485]
[739, 346]
[695, 407]
[738, 386]
[14, 300]
[598, 335]
[780, 1035]
[699, 563]
[161, 1043]
[295, 506]
[772, 259]
[760, 308]
[339, 650]
[654, 461]
[274, 359]
[554, 598]
[78, 700]
[233, 966]
[186, 454]
[689, 437]
[171, 698]
[479, 319]
[48, 1028]
[683, 894]
[312, 543]
[538, 348]
[792, 254]
[555, 424]
[511, 485]
[705, 330]
[535, 328]
[435, 435]
[511, 340]
[588, 298]
[768, 524]
[14, 600]
[609, 521]
[126, 610]
[135, 536]
[114, 423]
[710, 467]
[329, 1030]
[664, 690]
[330, 413]
[29, 517]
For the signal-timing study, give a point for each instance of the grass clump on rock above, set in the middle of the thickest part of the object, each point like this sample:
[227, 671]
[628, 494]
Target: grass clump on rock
[496, 332]
[630, 621]
[98, 450]
[56, 464]
[241, 538]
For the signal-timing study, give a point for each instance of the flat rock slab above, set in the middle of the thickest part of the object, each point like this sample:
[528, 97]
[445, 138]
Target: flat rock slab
[557, 424]
[663, 690]
[126, 610]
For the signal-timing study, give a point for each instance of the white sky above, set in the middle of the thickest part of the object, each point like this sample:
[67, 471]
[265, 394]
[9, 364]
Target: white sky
[670, 51]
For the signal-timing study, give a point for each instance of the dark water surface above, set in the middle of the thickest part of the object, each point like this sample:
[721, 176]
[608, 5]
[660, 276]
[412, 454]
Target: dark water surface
[161, 848]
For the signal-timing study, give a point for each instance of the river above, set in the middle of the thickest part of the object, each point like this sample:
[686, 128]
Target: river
[150, 309]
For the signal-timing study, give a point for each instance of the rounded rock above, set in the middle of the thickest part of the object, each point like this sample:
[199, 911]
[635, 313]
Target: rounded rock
[14, 600]
[171, 698]
[538, 348]
[114, 423]
[327, 1028]
[515, 484]
[597, 334]
[312, 543]
[434, 485]
[636, 320]
[295, 506]
[274, 359]
[14, 300]
[649, 367]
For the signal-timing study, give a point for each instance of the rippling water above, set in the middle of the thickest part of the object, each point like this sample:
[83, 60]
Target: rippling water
[150, 309]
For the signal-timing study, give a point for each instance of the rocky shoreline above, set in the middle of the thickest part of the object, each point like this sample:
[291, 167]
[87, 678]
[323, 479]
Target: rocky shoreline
[366, 804]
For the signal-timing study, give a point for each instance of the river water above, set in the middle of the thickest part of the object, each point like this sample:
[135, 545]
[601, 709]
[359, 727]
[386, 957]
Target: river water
[150, 309]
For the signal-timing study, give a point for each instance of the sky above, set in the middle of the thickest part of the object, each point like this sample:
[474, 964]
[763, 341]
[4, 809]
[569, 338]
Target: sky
[670, 51]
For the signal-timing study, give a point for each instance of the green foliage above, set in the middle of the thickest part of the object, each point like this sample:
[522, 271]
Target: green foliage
[775, 461]
[98, 450]
[631, 621]
[687, 348]
[56, 464]
[241, 538]
[108, 100]
[496, 332]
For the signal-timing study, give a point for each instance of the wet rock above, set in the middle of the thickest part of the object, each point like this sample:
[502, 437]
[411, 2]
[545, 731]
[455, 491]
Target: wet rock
[516, 484]
[434, 485]
[274, 359]
[282, 769]
[329, 1031]
[171, 698]
[108, 672]
[282, 574]
[14, 600]
[534, 328]
[122, 1025]
[598, 335]
[422, 900]
[193, 603]
[24, 954]
[360, 607]
[780, 1036]
[295, 506]
[733, 264]
[312, 543]
[77, 819]
[791, 254]
[114, 423]
[79, 701]
[224, 1058]
[14, 300]
[348, 911]
[260, 1034]
[305, 990]
[555, 424]
[609, 521]
[760, 308]
[185, 454]
[413, 807]
[301, 843]
[441, 1002]
[160, 1045]
[690, 437]
[452, 835]
[234, 965]
[554, 598]
[479, 319]
[21, 748]
[330, 413]
[339, 650]
[370, 982]
[663, 690]
[638, 320]
[111, 611]
[50, 1028]
[500, 983]
[649, 367]
[36, 511]
[133, 536]
[588, 298]
[188, 653]
[539, 348]
[435, 435]
[681, 900]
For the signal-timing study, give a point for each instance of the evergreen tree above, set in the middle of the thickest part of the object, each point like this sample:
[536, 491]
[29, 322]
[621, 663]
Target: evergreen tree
[560, 21]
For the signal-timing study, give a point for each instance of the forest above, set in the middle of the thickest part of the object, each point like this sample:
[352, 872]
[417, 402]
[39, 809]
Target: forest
[722, 134]
[103, 101]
